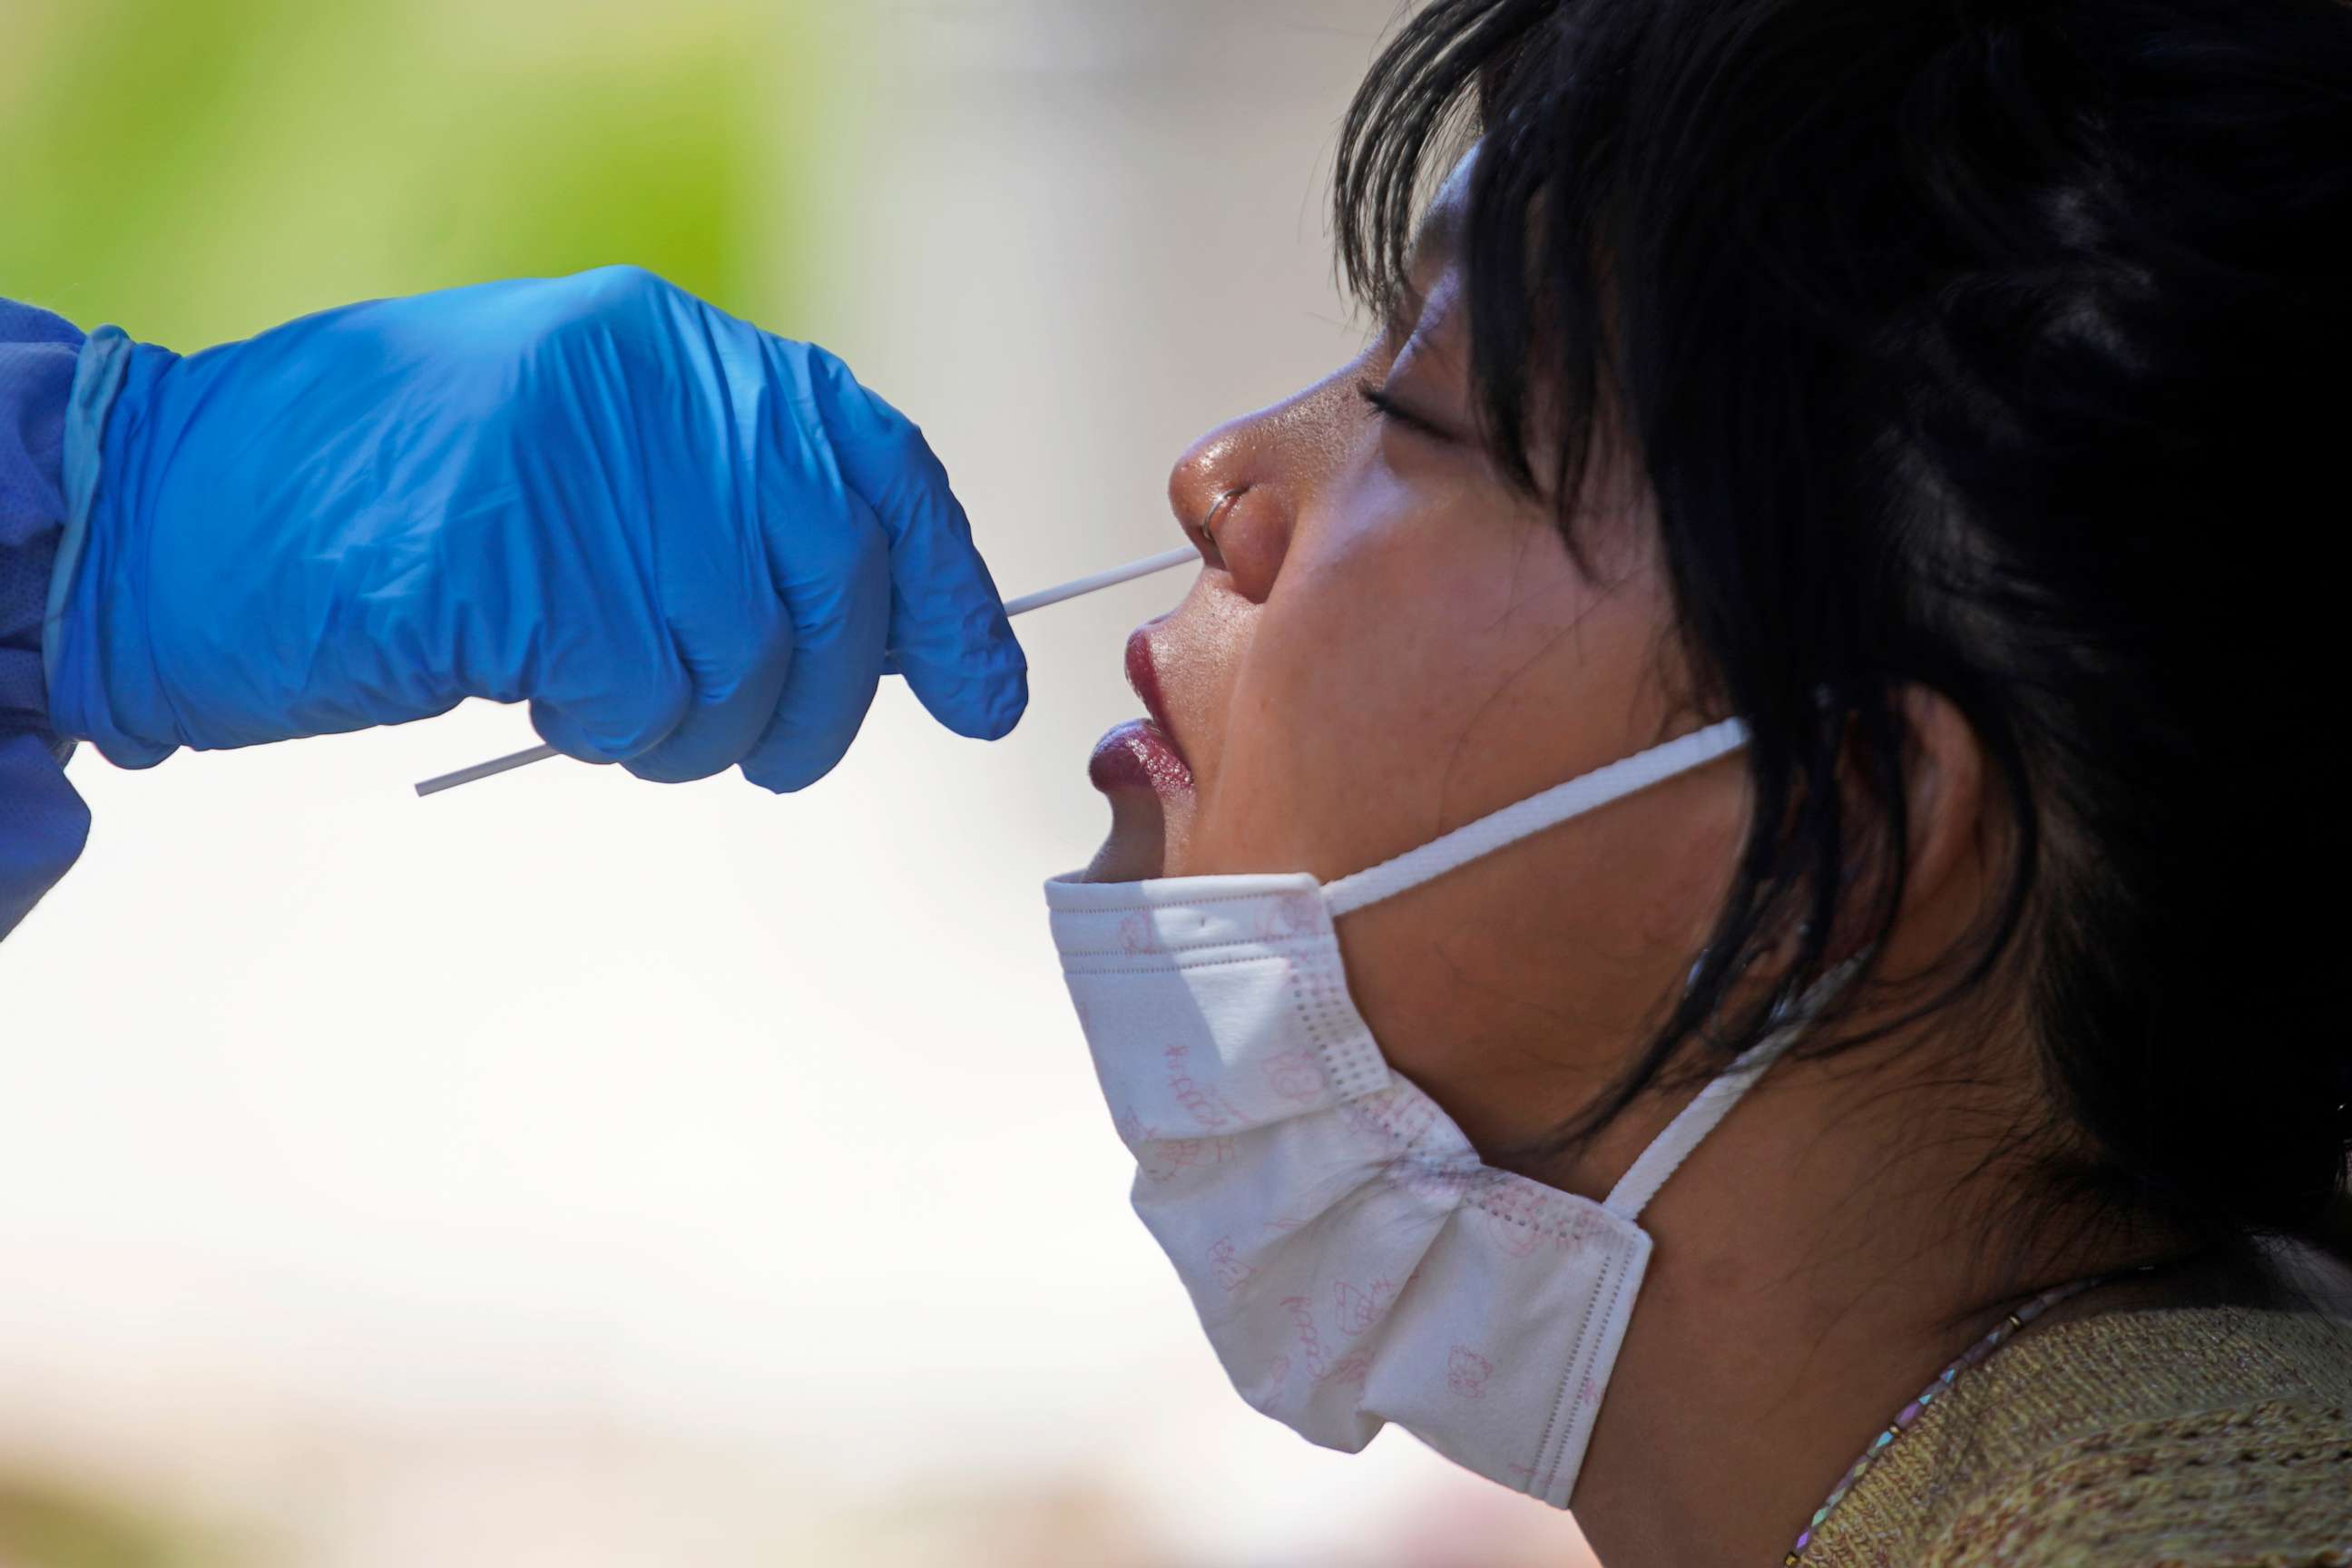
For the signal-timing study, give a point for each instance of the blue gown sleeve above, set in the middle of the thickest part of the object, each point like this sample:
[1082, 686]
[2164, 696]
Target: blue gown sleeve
[43, 822]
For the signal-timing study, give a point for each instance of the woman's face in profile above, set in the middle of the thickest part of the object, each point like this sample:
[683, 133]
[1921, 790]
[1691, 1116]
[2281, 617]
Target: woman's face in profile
[1390, 641]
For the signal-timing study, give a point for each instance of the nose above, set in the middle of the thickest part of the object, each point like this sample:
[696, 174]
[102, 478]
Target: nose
[1239, 490]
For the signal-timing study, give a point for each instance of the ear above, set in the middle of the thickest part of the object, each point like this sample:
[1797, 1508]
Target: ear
[1943, 786]
[1943, 803]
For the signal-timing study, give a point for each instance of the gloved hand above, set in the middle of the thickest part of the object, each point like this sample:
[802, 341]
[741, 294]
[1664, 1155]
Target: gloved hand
[687, 544]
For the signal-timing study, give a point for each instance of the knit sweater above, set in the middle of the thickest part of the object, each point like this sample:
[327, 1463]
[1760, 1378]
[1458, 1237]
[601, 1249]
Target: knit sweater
[2205, 1437]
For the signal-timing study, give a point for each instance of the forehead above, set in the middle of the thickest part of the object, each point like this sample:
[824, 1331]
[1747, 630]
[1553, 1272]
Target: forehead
[1425, 291]
[1436, 241]
[1439, 235]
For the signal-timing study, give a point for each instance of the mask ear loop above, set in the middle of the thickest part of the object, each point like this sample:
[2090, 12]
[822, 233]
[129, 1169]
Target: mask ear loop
[1667, 1152]
[1584, 792]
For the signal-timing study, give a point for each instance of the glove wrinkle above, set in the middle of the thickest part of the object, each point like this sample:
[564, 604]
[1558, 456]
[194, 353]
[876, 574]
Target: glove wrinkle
[686, 543]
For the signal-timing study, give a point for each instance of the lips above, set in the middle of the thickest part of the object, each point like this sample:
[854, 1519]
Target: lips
[1141, 753]
[1137, 755]
[1143, 676]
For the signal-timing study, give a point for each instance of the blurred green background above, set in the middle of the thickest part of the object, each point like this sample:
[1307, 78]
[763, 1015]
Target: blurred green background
[195, 170]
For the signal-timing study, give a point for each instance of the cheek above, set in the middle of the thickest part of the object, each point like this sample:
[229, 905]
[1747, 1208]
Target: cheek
[1408, 682]
[1512, 992]
[1326, 703]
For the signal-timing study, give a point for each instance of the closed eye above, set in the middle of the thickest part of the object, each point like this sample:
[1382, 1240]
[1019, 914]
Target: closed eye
[1397, 413]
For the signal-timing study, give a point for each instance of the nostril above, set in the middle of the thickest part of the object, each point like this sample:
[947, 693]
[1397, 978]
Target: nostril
[1207, 527]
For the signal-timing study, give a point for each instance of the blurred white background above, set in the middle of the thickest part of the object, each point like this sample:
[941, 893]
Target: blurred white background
[569, 1170]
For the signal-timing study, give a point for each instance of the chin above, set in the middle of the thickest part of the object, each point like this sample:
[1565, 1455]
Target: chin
[1137, 848]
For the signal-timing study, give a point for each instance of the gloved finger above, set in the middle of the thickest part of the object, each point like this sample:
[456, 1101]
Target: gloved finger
[948, 633]
[836, 583]
[623, 718]
[737, 643]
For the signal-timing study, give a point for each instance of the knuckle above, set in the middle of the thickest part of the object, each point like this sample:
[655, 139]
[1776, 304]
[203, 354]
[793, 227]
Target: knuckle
[901, 442]
[621, 283]
[824, 365]
[593, 301]
[875, 423]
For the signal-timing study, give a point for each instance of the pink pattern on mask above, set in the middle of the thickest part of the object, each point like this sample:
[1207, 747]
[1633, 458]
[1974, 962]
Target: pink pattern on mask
[1161, 1158]
[1170, 1157]
[1226, 1263]
[1207, 1107]
[1467, 1372]
[1523, 1217]
[1296, 1076]
[1135, 935]
[1311, 1339]
[1349, 1372]
[1292, 914]
[1391, 1118]
[1357, 1310]
[1514, 1218]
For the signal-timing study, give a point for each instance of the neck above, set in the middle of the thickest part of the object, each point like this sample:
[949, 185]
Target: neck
[1812, 1271]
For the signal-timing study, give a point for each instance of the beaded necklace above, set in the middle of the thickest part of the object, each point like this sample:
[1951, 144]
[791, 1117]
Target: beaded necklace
[1913, 1410]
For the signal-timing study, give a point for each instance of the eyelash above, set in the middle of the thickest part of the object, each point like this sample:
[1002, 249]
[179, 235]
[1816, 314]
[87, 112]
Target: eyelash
[1389, 408]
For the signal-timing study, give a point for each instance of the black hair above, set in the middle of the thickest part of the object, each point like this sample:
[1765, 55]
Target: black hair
[1997, 349]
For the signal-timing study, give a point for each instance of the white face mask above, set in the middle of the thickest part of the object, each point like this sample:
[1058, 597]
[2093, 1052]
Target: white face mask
[1352, 1260]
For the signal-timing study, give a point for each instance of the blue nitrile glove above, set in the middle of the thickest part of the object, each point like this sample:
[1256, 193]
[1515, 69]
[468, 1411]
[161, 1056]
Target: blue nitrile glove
[687, 544]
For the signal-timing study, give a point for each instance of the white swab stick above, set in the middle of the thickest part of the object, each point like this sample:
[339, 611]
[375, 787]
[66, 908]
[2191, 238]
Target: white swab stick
[1075, 588]
[485, 770]
[1078, 586]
